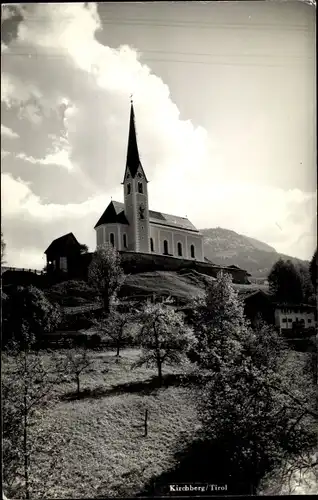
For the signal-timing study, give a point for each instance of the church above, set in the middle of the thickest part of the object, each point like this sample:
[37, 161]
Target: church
[132, 226]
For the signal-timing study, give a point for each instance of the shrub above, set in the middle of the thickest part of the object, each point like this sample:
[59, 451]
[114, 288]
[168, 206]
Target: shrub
[28, 309]
[71, 293]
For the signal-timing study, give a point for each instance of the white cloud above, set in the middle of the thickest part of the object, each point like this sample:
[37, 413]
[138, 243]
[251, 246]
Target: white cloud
[60, 158]
[90, 85]
[8, 132]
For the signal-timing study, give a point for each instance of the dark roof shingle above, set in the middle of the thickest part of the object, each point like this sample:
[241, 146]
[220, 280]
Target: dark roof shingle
[60, 244]
[114, 214]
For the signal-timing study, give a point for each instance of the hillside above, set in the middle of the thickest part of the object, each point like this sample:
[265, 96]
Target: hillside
[181, 285]
[225, 247]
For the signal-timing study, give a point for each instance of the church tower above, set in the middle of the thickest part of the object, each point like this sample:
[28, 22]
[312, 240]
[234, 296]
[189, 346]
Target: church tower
[136, 194]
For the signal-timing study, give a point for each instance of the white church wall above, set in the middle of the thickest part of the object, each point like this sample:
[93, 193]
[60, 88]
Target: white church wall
[104, 235]
[180, 237]
[174, 236]
[167, 235]
[197, 242]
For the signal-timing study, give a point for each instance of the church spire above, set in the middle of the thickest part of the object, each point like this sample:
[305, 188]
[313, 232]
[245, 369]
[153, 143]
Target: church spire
[133, 160]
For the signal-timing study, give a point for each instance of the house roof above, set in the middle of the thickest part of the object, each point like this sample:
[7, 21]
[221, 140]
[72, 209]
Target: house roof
[171, 221]
[294, 306]
[246, 294]
[60, 244]
[114, 214]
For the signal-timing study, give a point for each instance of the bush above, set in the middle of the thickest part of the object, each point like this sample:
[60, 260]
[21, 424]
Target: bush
[71, 293]
[28, 309]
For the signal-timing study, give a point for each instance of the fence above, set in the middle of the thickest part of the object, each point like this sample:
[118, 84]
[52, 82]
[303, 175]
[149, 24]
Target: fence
[35, 271]
[82, 309]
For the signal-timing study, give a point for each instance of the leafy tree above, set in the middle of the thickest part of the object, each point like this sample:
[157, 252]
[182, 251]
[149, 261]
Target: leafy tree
[285, 282]
[29, 447]
[114, 328]
[306, 283]
[254, 410]
[313, 270]
[83, 248]
[78, 360]
[28, 309]
[105, 274]
[164, 337]
[219, 324]
[3, 249]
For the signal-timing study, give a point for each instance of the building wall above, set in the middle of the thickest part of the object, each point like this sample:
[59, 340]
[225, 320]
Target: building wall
[103, 235]
[139, 232]
[174, 236]
[130, 210]
[284, 318]
[142, 225]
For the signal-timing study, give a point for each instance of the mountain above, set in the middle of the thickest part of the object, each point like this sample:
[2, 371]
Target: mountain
[225, 247]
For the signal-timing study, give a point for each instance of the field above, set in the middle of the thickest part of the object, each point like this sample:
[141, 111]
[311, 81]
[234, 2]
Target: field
[108, 454]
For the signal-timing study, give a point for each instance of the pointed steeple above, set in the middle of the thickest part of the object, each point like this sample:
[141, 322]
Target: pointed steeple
[133, 159]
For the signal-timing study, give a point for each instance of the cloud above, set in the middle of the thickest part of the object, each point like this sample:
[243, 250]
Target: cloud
[8, 132]
[68, 96]
[60, 158]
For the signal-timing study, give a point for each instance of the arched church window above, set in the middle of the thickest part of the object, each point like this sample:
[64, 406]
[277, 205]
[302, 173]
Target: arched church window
[112, 239]
[151, 245]
[140, 188]
[125, 240]
[165, 247]
[180, 249]
[128, 188]
[192, 251]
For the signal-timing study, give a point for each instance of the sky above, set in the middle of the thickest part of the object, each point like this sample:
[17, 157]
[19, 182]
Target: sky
[225, 105]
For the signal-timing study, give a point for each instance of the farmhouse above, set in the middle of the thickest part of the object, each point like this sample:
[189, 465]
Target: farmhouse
[292, 318]
[132, 226]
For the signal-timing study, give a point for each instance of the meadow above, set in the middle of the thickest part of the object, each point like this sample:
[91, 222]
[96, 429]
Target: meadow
[107, 453]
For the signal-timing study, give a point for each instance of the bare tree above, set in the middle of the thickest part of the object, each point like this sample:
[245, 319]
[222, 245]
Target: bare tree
[27, 392]
[114, 328]
[78, 361]
[3, 249]
[105, 274]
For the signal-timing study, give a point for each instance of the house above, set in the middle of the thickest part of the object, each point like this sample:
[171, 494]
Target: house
[293, 319]
[132, 226]
[257, 305]
[66, 259]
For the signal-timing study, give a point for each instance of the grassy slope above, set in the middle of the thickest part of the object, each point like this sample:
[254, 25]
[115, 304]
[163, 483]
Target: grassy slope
[108, 454]
[185, 286]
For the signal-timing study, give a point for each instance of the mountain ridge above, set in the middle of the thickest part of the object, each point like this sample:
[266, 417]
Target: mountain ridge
[226, 247]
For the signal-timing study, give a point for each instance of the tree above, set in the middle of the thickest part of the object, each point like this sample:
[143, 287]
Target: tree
[83, 248]
[164, 337]
[78, 361]
[285, 282]
[114, 328]
[308, 290]
[3, 249]
[253, 413]
[105, 274]
[219, 324]
[28, 309]
[313, 270]
[30, 447]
